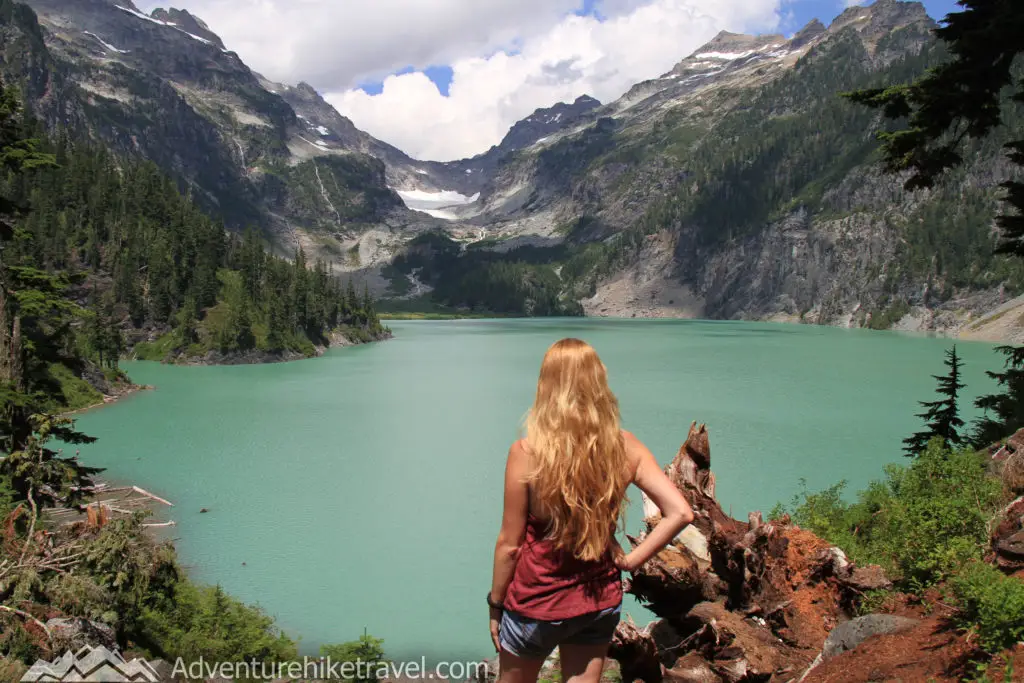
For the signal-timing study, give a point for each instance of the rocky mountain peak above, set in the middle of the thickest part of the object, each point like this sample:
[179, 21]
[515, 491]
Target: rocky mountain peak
[187, 22]
[812, 30]
[726, 43]
[306, 91]
[547, 121]
[881, 17]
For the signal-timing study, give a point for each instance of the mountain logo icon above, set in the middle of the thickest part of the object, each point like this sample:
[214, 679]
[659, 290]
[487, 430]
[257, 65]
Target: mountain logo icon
[91, 665]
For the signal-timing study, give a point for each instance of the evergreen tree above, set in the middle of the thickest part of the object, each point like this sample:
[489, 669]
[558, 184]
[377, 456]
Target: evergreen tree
[1004, 413]
[963, 98]
[942, 417]
[35, 316]
[188, 318]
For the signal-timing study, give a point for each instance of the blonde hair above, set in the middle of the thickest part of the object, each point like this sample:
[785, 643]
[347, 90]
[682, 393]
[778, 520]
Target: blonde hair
[579, 469]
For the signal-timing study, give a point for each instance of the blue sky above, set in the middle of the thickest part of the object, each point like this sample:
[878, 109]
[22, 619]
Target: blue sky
[795, 13]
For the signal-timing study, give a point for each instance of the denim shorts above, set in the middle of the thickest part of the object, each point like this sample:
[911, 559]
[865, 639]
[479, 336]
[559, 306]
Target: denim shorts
[535, 639]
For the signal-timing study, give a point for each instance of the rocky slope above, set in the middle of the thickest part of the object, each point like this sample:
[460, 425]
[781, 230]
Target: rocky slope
[738, 185]
[742, 186]
[165, 88]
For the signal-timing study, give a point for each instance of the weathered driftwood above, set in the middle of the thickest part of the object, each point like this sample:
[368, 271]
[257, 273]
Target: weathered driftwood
[1008, 539]
[737, 600]
[1007, 550]
[106, 502]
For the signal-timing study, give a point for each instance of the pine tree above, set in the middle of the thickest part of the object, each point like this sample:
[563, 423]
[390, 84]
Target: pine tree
[1004, 413]
[35, 319]
[942, 417]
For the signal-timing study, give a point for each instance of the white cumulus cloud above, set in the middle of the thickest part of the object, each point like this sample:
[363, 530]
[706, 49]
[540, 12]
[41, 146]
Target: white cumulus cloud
[576, 56]
[509, 57]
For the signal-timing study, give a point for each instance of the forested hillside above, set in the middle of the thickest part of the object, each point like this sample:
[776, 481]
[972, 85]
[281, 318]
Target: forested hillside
[743, 185]
[146, 273]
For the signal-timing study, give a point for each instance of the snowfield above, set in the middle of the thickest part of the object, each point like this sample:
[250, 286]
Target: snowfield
[434, 203]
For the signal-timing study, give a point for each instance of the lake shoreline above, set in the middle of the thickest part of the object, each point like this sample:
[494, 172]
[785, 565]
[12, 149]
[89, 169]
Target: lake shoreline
[337, 339]
[293, 461]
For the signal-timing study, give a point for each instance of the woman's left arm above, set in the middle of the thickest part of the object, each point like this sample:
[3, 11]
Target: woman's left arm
[513, 531]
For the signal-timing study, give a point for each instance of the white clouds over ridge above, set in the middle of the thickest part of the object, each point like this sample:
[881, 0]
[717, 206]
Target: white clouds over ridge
[509, 57]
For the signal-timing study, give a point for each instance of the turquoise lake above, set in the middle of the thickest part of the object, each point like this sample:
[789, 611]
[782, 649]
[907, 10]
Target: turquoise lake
[362, 490]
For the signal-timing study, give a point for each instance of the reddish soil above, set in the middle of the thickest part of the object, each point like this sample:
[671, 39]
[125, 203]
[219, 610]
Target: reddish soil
[934, 651]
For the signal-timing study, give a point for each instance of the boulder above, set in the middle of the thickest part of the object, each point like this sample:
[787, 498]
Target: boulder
[850, 634]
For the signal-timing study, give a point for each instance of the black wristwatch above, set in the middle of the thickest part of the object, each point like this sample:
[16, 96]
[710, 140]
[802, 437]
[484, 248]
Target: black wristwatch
[493, 605]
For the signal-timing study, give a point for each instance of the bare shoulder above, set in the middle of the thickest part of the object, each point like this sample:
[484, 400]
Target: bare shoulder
[519, 449]
[635, 450]
[519, 455]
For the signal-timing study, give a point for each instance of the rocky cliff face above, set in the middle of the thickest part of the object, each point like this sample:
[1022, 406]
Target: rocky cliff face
[736, 185]
[165, 88]
[740, 185]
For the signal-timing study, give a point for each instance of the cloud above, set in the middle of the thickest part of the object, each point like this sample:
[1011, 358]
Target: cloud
[508, 57]
[340, 43]
[576, 56]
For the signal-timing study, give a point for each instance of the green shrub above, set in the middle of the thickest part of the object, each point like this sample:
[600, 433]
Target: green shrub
[76, 393]
[367, 653]
[991, 603]
[921, 523]
[204, 621]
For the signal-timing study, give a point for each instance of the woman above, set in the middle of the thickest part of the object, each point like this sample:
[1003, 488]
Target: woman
[557, 564]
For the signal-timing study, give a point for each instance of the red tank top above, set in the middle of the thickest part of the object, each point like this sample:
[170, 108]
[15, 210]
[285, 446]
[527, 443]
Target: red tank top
[551, 584]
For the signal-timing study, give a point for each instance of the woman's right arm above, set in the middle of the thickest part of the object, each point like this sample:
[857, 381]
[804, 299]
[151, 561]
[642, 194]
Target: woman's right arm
[675, 511]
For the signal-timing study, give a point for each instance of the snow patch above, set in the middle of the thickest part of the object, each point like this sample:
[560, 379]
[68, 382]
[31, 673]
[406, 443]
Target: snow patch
[319, 145]
[140, 15]
[193, 36]
[421, 171]
[468, 171]
[440, 213]
[728, 56]
[698, 77]
[105, 43]
[421, 200]
[146, 17]
[323, 131]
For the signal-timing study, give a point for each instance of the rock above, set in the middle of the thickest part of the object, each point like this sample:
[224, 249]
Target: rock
[75, 633]
[850, 634]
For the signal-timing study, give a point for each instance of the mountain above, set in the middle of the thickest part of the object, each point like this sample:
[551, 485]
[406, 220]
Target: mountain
[545, 122]
[739, 185]
[736, 185]
[163, 87]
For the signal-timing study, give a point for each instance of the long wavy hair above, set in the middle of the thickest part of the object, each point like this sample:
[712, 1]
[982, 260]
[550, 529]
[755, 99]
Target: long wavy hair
[579, 470]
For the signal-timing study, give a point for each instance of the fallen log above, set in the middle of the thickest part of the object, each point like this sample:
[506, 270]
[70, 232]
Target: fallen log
[737, 600]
